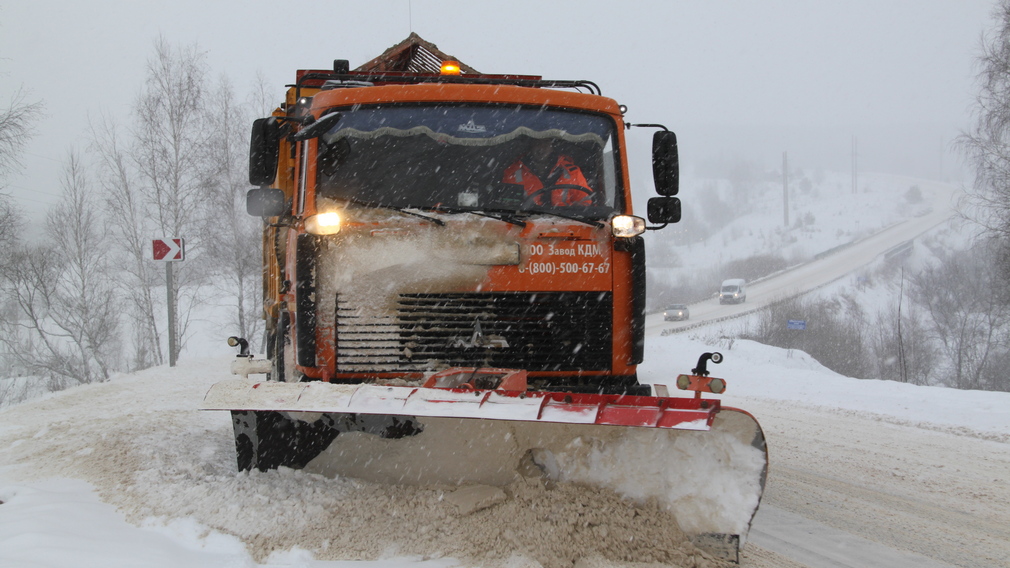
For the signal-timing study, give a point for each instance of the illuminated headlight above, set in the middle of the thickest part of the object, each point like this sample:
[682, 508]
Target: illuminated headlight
[627, 226]
[323, 224]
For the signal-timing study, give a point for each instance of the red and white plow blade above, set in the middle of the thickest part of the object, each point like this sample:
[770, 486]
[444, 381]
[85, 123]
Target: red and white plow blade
[566, 408]
[704, 464]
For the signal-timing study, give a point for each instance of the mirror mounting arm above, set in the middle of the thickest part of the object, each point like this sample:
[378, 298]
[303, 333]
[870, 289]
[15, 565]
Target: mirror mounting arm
[629, 125]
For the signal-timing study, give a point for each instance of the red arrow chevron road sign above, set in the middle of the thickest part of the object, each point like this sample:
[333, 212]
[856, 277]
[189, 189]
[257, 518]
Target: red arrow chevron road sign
[169, 249]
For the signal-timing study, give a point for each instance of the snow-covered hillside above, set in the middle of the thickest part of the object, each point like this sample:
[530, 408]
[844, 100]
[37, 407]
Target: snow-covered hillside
[737, 229]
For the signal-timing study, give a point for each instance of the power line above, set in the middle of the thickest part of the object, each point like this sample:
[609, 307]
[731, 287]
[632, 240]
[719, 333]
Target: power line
[22, 198]
[50, 158]
[34, 190]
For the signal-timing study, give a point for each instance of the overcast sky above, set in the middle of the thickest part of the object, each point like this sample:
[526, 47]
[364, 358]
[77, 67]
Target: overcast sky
[737, 79]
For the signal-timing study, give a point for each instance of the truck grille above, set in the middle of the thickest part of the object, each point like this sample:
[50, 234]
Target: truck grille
[548, 331]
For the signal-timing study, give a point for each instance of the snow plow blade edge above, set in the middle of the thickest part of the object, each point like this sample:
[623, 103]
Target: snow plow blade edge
[706, 466]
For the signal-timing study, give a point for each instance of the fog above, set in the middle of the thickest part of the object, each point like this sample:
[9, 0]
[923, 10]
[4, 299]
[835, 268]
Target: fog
[738, 80]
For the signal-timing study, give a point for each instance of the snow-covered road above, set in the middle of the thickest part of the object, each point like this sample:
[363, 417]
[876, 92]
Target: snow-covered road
[862, 473]
[938, 493]
[829, 267]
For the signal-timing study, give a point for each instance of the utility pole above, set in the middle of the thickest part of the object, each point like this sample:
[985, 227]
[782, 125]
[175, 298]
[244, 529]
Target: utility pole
[785, 190]
[941, 158]
[855, 183]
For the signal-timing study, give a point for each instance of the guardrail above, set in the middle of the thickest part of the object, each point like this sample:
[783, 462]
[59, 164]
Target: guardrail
[899, 252]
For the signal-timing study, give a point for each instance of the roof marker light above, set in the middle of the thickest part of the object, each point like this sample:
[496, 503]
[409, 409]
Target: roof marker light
[450, 68]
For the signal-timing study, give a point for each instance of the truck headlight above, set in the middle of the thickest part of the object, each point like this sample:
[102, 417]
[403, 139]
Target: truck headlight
[627, 226]
[323, 223]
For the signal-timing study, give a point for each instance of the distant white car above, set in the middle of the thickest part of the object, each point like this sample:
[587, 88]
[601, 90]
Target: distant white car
[732, 291]
[676, 312]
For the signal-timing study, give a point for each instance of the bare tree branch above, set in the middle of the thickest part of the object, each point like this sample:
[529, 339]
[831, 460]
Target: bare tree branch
[16, 122]
[66, 323]
[131, 229]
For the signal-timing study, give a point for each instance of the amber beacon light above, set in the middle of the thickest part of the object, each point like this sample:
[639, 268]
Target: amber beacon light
[450, 67]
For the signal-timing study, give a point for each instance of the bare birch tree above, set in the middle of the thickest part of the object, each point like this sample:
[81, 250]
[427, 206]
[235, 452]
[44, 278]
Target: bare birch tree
[131, 229]
[86, 297]
[232, 240]
[968, 319]
[900, 346]
[16, 122]
[170, 153]
[262, 99]
[977, 334]
[66, 328]
[156, 183]
[27, 279]
[182, 172]
[11, 221]
[987, 143]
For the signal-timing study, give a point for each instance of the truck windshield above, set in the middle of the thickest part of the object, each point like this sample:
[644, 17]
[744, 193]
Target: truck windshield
[471, 158]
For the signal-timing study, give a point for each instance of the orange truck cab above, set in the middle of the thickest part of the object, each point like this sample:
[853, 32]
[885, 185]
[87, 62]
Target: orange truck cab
[398, 241]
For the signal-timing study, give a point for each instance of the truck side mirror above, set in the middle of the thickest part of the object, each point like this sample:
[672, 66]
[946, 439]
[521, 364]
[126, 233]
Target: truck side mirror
[665, 163]
[264, 149]
[664, 210]
[265, 202]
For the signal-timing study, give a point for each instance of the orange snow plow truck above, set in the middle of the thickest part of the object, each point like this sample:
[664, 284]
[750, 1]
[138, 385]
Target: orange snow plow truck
[454, 291]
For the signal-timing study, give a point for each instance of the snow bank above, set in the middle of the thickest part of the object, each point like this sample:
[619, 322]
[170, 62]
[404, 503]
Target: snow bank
[169, 469]
[754, 370]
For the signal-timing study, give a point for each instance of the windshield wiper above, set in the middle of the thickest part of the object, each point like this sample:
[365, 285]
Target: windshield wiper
[403, 210]
[555, 213]
[506, 216]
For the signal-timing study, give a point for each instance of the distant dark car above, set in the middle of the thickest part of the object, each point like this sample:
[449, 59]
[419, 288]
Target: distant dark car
[676, 312]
